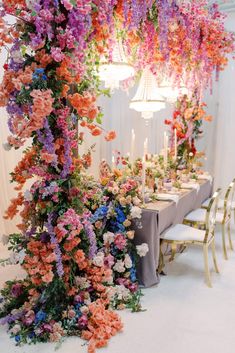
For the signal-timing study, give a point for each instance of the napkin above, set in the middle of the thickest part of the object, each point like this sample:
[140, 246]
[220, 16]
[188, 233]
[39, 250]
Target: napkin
[166, 197]
[205, 177]
[190, 185]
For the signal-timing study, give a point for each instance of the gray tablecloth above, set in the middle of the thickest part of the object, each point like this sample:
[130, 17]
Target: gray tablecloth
[157, 217]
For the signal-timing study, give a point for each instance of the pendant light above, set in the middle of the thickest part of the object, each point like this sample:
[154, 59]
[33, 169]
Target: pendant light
[147, 99]
[170, 92]
[118, 69]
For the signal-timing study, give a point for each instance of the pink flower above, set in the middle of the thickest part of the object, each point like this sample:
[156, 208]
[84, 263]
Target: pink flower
[120, 241]
[29, 318]
[57, 54]
[109, 261]
[67, 4]
[83, 322]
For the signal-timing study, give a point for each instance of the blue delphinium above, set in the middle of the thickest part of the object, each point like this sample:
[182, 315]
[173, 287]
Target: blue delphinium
[18, 338]
[40, 316]
[120, 215]
[39, 74]
[100, 213]
[133, 274]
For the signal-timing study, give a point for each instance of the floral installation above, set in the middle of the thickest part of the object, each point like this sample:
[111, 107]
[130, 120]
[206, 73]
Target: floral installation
[75, 241]
[188, 118]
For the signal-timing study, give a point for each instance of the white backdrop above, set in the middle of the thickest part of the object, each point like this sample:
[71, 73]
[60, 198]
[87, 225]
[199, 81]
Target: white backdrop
[217, 142]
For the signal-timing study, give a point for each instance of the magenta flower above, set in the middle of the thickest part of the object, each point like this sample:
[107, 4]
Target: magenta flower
[57, 54]
[29, 318]
[16, 290]
[120, 241]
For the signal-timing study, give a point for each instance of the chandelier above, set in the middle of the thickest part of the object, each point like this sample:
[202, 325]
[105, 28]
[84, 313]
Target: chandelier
[118, 69]
[170, 92]
[147, 99]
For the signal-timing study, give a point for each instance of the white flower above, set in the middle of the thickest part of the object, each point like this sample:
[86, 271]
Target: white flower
[136, 212]
[136, 201]
[120, 292]
[82, 282]
[28, 196]
[108, 238]
[119, 266]
[190, 154]
[84, 309]
[142, 249]
[17, 56]
[30, 4]
[7, 146]
[127, 261]
[98, 260]
[17, 258]
[4, 239]
[15, 329]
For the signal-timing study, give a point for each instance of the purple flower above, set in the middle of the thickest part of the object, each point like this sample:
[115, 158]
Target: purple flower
[16, 290]
[59, 264]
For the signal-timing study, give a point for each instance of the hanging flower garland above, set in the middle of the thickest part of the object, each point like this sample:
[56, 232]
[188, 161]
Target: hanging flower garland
[76, 239]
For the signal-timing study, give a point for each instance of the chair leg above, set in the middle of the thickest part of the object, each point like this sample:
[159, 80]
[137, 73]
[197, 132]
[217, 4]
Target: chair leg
[214, 256]
[161, 263]
[229, 235]
[224, 242]
[173, 252]
[206, 265]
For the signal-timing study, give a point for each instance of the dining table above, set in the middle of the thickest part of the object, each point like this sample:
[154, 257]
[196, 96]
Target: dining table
[159, 215]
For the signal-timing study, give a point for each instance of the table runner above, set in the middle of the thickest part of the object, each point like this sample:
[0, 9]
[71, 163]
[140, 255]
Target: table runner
[157, 217]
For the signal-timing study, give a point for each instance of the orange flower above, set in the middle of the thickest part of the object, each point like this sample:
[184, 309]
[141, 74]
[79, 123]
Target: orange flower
[208, 118]
[111, 135]
[12, 210]
[48, 277]
[65, 91]
[84, 104]
[71, 244]
[43, 58]
[96, 131]
[47, 157]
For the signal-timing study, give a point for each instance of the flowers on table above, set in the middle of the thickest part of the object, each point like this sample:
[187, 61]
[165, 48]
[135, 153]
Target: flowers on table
[187, 121]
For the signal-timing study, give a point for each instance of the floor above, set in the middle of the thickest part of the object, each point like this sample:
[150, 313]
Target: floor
[182, 313]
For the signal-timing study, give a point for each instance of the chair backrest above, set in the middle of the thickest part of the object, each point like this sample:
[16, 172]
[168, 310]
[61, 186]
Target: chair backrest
[211, 214]
[228, 199]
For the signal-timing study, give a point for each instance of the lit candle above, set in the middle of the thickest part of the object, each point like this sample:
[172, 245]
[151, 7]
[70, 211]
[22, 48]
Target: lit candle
[145, 147]
[175, 140]
[165, 149]
[143, 178]
[113, 162]
[132, 155]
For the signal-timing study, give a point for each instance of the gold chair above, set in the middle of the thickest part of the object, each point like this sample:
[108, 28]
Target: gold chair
[197, 218]
[220, 203]
[182, 234]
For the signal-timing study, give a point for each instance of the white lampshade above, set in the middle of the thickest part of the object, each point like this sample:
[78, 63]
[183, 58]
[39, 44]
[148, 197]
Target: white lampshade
[147, 99]
[116, 70]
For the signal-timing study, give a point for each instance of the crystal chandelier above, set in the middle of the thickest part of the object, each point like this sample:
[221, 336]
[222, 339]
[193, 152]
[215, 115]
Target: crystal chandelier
[116, 70]
[170, 92]
[147, 99]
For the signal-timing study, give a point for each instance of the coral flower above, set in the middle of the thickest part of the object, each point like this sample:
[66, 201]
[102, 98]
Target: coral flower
[110, 136]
